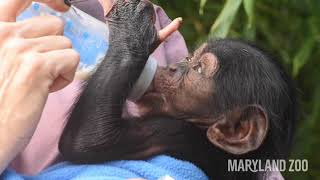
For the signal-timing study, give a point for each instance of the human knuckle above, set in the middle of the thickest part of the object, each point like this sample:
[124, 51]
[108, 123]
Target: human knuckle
[33, 62]
[66, 41]
[33, 58]
[16, 45]
[75, 56]
[6, 30]
[56, 22]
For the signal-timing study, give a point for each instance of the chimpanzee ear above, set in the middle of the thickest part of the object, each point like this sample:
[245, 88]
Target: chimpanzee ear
[241, 130]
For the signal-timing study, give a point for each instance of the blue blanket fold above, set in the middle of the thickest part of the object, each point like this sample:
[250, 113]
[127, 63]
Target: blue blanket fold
[152, 169]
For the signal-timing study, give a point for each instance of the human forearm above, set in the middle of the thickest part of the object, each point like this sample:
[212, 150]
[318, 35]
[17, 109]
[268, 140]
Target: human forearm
[19, 115]
[29, 70]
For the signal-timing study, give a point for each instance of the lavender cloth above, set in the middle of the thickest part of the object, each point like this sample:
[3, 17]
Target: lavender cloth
[42, 151]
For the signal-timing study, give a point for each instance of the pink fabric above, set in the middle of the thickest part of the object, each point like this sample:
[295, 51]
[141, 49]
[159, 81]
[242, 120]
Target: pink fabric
[42, 151]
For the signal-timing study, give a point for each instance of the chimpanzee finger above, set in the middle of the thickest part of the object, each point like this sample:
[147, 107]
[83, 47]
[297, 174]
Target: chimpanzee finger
[120, 2]
[171, 28]
[114, 9]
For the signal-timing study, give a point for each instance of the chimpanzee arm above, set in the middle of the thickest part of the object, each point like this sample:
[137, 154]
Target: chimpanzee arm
[95, 125]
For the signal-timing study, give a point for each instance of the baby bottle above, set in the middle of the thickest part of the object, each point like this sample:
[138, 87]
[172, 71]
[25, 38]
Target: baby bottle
[89, 37]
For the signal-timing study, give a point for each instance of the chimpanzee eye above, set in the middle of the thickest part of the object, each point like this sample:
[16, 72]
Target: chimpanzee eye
[198, 68]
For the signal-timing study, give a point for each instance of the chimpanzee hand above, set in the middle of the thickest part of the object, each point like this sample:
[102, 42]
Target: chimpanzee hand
[131, 25]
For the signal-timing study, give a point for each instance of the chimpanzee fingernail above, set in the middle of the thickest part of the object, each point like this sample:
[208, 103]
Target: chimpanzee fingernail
[67, 2]
[72, 2]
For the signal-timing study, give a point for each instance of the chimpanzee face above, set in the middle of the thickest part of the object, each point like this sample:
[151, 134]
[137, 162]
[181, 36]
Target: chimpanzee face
[183, 90]
[216, 90]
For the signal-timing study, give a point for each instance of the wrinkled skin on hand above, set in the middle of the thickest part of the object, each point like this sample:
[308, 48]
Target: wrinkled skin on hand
[132, 24]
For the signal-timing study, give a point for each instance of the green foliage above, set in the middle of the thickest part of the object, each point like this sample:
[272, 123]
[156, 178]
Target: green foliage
[303, 55]
[290, 29]
[222, 24]
[202, 4]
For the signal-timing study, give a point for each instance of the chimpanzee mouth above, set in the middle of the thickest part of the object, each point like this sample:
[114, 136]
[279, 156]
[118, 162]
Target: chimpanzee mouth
[151, 90]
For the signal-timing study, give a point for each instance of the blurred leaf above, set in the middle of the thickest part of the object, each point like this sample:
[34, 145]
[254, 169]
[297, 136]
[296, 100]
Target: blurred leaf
[222, 25]
[315, 116]
[249, 32]
[202, 4]
[303, 55]
[314, 24]
[249, 9]
[250, 29]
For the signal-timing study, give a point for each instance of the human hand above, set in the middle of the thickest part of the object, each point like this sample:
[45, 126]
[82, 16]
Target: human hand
[10, 10]
[35, 59]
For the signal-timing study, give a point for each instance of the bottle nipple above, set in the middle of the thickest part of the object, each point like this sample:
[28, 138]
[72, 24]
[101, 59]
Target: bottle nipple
[145, 80]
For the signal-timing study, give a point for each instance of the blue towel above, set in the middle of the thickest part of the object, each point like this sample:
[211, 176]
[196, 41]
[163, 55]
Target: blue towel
[152, 169]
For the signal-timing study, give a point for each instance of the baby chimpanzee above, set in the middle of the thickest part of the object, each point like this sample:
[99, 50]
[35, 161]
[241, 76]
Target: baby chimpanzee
[229, 100]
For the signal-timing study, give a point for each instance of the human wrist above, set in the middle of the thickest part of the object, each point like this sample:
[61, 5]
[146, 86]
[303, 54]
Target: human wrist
[9, 147]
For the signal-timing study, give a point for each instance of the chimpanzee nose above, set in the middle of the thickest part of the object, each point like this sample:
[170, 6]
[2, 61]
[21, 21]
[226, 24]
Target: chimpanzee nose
[173, 68]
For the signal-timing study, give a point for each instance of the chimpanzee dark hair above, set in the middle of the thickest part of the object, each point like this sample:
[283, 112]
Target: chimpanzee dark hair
[248, 75]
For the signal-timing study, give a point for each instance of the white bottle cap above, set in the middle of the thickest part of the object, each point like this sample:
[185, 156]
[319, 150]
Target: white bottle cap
[144, 81]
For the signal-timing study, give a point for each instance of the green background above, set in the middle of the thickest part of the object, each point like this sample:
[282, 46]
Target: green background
[288, 28]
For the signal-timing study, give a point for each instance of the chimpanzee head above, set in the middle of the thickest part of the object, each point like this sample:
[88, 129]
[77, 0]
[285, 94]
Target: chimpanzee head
[234, 91]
